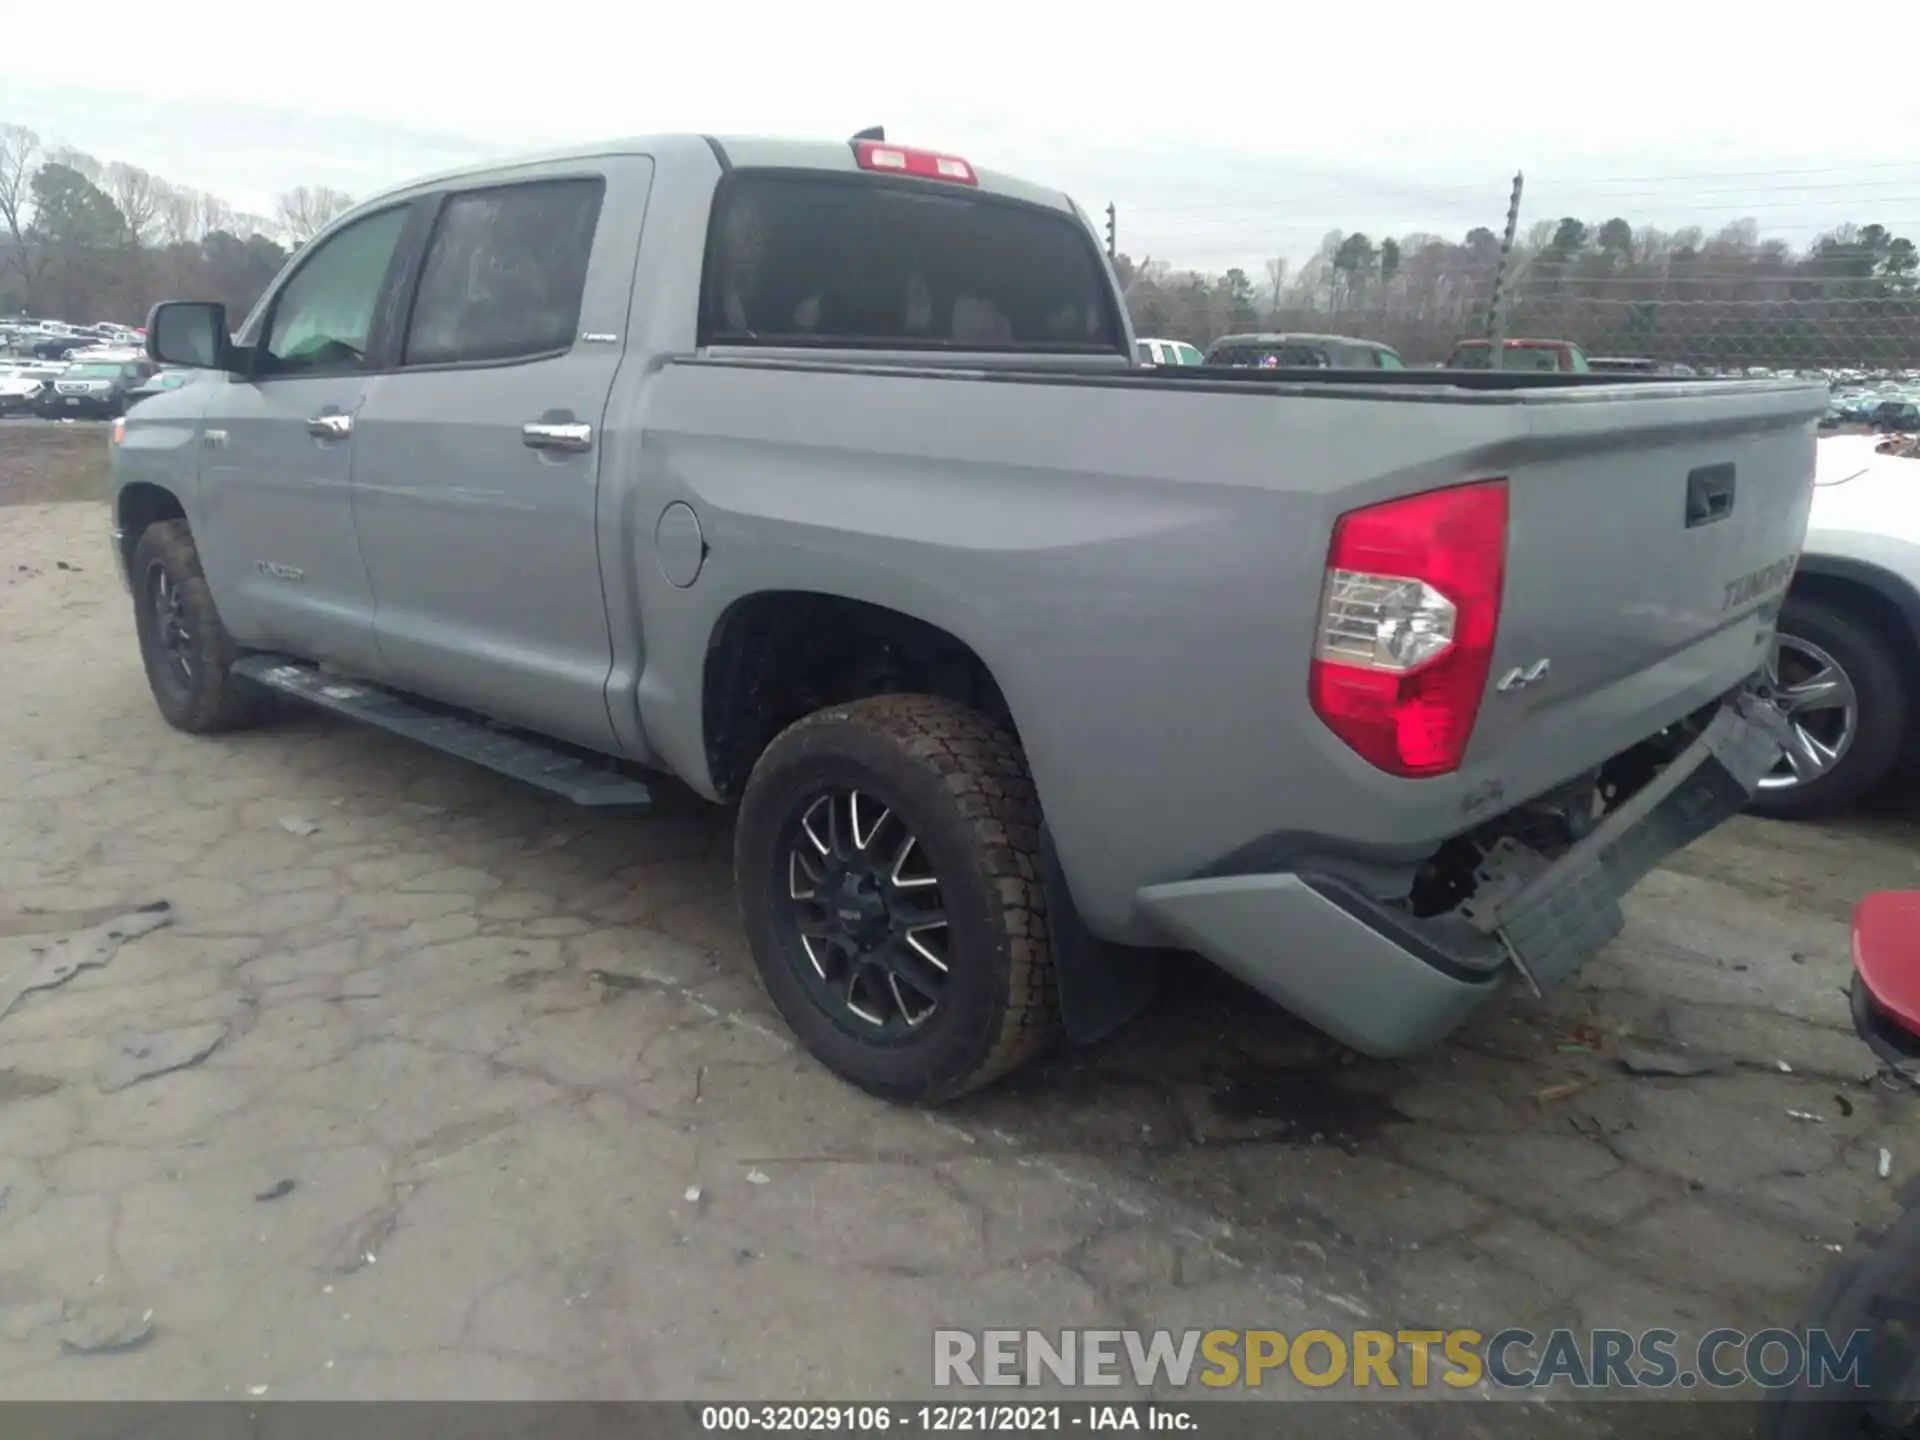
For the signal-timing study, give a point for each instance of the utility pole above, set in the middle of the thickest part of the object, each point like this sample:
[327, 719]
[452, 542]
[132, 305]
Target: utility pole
[1496, 311]
[1113, 242]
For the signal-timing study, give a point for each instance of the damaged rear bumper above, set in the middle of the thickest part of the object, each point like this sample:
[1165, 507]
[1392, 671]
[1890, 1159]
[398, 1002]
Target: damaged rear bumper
[1389, 983]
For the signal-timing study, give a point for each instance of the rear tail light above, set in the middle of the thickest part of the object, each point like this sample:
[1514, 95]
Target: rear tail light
[900, 160]
[119, 434]
[1408, 615]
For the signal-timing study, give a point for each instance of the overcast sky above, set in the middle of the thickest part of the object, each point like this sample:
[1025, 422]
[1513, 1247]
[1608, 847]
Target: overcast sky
[1224, 132]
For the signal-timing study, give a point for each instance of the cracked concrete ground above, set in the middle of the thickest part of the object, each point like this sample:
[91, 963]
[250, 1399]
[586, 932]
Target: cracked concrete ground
[430, 1086]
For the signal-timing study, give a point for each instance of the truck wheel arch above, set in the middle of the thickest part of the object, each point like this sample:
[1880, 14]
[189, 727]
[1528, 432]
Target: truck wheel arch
[1880, 598]
[758, 681]
[776, 655]
[139, 506]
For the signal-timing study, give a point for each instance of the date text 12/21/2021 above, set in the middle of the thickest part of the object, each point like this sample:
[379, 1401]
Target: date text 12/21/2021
[881, 1419]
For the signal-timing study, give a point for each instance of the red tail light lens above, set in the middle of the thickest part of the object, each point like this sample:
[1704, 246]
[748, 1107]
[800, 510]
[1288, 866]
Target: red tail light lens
[1408, 615]
[902, 160]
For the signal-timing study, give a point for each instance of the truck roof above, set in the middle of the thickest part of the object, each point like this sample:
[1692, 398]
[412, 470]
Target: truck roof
[1520, 344]
[757, 152]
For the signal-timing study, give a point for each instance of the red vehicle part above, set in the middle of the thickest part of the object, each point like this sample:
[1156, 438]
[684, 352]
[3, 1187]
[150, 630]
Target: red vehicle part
[1875, 1284]
[1886, 954]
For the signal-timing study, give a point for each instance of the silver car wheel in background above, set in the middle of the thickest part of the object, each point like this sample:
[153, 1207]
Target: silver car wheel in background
[1823, 714]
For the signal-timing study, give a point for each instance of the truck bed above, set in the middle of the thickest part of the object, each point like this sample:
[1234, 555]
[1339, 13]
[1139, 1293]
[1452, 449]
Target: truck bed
[1152, 545]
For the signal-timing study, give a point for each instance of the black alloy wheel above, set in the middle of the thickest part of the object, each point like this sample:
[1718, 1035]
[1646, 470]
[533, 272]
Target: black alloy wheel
[864, 914]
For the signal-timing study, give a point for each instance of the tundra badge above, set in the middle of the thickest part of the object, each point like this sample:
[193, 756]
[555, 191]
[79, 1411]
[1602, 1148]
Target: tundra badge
[1756, 583]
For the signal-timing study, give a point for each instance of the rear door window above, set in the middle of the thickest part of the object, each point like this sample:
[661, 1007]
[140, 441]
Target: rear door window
[859, 262]
[504, 273]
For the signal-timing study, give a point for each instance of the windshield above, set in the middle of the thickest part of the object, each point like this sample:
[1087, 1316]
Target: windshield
[94, 372]
[815, 259]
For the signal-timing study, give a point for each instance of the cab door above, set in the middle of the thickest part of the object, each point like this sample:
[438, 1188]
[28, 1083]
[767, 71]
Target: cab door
[275, 528]
[477, 462]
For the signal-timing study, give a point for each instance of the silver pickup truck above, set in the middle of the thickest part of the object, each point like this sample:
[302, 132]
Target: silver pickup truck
[820, 477]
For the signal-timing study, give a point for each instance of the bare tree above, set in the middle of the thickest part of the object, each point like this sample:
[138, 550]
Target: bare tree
[1276, 284]
[306, 210]
[137, 194]
[178, 207]
[78, 161]
[210, 213]
[19, 158]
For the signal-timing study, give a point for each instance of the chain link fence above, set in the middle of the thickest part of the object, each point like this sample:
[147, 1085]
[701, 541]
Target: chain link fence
[1788, 271]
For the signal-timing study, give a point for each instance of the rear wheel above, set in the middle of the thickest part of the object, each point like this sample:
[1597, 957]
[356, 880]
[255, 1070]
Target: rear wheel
[187, 651]
[887, 856]
[1847, 707]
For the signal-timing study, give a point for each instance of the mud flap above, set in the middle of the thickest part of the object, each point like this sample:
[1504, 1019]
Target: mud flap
[1102, 985]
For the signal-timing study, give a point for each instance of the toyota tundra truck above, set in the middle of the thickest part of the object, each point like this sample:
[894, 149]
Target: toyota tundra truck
[821, 478]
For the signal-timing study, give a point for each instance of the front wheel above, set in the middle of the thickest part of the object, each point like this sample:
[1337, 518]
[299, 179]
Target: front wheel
[887, 857]
[187, 652]
[1847, 706]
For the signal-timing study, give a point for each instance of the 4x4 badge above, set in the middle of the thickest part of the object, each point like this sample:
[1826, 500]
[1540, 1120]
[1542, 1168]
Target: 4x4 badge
[1521, 676]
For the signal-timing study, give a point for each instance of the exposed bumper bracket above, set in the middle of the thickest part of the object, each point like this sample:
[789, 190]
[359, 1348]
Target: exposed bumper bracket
[1549, 915]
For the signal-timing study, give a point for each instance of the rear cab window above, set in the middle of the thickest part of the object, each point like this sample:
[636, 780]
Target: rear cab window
[814, 258]
[1269, 357]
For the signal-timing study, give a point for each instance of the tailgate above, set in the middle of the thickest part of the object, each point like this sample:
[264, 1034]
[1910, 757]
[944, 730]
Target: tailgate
[1652, 534]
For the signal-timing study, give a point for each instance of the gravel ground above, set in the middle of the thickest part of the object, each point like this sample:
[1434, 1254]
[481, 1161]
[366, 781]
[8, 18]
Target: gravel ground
[433, 1087]
[44, 461]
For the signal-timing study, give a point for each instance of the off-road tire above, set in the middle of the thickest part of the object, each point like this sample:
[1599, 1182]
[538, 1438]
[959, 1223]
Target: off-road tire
[214, 699]
[1885, 710]
[1873, 1286]
[960, 783]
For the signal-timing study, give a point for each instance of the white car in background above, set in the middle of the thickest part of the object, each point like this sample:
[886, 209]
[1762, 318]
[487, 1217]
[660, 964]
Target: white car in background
[18, 387]
[1846, 666]
[1167, 352]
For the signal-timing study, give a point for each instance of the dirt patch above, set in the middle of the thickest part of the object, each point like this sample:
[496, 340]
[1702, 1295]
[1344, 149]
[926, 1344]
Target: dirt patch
[49, 461]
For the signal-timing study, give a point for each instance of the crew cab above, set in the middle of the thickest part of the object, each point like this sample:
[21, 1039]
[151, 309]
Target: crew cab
[824, 478]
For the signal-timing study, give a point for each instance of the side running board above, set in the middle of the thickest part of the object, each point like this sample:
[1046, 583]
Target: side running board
[548, 765]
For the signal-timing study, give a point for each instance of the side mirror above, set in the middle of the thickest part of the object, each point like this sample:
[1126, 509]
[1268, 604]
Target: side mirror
[191, 333]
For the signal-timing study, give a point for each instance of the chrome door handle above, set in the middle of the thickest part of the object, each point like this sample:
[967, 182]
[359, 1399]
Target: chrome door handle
[573, 436]
[331, 426]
